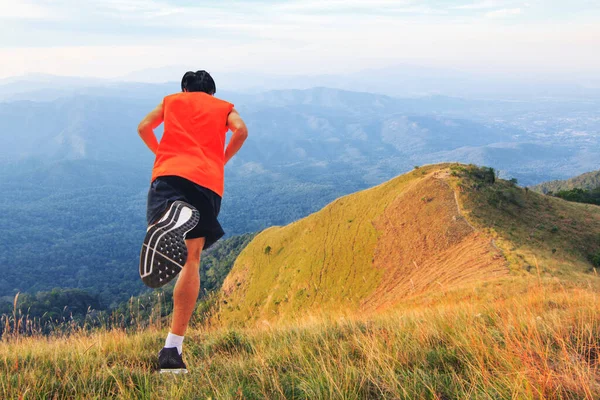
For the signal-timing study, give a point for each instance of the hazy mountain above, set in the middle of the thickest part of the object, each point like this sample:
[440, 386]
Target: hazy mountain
[46, 88]
[81, 127]
[524, 161]
[75, 173]
[317, 127]
[587, 181]
[402, 80]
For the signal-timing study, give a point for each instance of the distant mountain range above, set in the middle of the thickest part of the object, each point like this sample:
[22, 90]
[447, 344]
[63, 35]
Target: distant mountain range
[399, 81]
[75, 173]
[302, 127]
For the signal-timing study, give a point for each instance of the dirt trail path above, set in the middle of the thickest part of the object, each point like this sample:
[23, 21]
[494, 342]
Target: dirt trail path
[427, 244]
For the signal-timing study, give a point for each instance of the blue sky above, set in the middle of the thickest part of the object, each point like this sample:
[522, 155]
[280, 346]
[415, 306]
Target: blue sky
[109, 38]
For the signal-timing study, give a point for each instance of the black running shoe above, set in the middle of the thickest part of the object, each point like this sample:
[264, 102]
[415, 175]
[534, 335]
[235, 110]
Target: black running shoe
[164, 252]
[169, 360]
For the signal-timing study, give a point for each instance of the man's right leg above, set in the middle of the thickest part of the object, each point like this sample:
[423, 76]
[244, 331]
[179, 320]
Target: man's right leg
[187, 287]
[185, 296]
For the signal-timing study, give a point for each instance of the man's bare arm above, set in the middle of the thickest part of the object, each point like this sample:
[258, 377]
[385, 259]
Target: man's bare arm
[147, 126]
[240, 133]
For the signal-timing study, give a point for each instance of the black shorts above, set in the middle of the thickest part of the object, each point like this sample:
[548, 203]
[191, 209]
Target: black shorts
[164, 190]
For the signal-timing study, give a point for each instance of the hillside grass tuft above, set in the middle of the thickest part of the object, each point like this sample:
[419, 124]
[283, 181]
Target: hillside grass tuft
[538, 340]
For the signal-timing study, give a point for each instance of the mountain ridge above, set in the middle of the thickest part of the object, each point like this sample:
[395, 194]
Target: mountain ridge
[586, 181]
[437, 228]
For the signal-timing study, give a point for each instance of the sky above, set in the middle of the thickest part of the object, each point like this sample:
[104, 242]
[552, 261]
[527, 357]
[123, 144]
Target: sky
[113, 38]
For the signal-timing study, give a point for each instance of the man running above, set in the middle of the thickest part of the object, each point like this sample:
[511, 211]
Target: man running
[185, 195]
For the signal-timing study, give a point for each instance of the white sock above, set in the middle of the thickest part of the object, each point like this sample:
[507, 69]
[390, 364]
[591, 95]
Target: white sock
[174, 340]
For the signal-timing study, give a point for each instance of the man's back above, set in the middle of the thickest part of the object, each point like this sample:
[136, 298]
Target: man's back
[193, 141]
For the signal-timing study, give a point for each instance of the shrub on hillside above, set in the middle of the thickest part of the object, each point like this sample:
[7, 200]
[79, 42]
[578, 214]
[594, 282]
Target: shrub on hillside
[55, 304]
[483, 179]
[476, 177]
[580, 195]
[595, 259]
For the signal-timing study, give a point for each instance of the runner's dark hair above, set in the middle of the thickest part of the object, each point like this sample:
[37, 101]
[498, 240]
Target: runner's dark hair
[199, 81]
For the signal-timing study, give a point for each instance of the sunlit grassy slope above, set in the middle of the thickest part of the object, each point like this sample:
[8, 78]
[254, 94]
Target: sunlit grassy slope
[538, 341]
[433, 229]
[536, 233]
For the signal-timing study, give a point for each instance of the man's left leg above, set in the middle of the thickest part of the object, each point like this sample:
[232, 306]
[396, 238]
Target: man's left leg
[185, 296]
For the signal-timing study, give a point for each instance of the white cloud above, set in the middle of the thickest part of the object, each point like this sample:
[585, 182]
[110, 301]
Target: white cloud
[10, 9]
[334, 49]
[136, 9]
[357, 7]
[340, 4]
[503, 13]
[112, 37]
[76, 10]
[481, 5]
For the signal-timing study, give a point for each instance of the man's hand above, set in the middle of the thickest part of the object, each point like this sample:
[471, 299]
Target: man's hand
[147, 126]
[240, 133]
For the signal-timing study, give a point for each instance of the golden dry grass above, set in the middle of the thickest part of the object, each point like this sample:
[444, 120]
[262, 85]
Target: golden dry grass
[420, 232]
[516, 338]
[532, 229]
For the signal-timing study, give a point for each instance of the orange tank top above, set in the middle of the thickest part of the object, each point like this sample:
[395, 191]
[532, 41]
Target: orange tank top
[193, 142]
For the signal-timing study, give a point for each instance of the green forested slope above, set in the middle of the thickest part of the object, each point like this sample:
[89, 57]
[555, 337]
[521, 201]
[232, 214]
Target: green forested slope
[587, 181]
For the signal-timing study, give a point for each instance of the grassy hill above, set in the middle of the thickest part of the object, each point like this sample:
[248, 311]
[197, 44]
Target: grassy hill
[434, 229]
[587, 181]
[489, 291]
